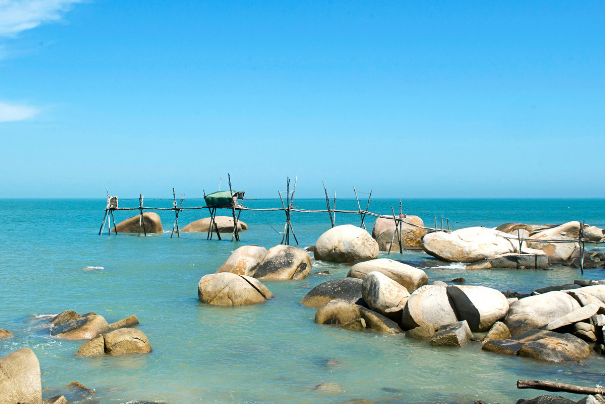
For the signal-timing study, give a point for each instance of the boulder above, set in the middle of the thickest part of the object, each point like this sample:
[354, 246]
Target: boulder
[421, 333]
[20, 380]
[411, 236]
[597, 291]
[63, 317]
[125, 323]
[5, 334]
[57, 399]
[94, 347]
[547, 399]
[585, 331]
[428, 305]
[575, 316]
[223, 223]
[227, 289]
[382, 293]
[345, 243]
[126, 341]
[151, 224]
[480, 306]
[539, 310]
[348, 289]
[559, 253]
[538, 260]
[338, 312]
[378, 323]
[456, 334]
[593, 233]
[471, 244]
[87, 326]
[411, 278]
[283, 262]
[499, 331]
[243, 260]
[511, 227]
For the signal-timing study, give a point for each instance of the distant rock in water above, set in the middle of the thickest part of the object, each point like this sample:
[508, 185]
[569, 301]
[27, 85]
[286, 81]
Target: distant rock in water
[411, 236]
[86, 326]
[283, 262]
[345, 243]
[5, 334]
[243, 260]
[224, 224]
[559, 253]
[153, 224]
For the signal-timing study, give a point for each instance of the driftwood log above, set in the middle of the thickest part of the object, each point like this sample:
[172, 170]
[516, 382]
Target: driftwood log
[552, 386]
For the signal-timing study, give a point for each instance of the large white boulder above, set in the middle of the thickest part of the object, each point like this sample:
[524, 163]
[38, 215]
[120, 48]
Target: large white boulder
[428, 306]
[227, 289]
[345, 243]
[597, 291]
[559, 252]
[411, 236]
[283, 262]
[406, 275]
[480, 306]
[382, 293]
[243, 260]
[20, 380]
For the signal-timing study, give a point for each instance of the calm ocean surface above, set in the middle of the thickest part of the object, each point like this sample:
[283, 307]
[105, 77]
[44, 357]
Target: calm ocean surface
[270, 353]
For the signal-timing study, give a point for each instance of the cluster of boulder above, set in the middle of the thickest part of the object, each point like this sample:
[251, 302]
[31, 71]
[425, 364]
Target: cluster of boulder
[153, 224]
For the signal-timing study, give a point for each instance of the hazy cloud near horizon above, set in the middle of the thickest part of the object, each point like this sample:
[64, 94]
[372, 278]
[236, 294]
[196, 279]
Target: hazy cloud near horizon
[14, 112]
[17, 16]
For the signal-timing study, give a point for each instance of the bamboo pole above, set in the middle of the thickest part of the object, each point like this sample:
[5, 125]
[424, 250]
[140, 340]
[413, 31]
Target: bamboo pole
[290, 210]
[233, 204]
[398, 232]
[283, 238]
[328, 205]
[334, 221]
[359, 207]
[103, 224]
[552, 386]
[366, 211]
[141, 217]
[581, 234]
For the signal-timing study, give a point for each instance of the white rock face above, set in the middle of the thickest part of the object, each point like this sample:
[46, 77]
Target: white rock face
[20, 380]
[227, 289]
[346, 243]
[409, 277]
[242, 260]
[597, 291]
[430, 306]
[382, 293]
[593, 233]
[482, 306]
[559, 252]
[471, 244]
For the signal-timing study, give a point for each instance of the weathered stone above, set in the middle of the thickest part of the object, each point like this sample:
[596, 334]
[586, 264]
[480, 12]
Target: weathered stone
[411, 278]
[547, 399]
[597, 291]
[382, 293]
[126, 341]
[348, 289]
[440, 283]
[355, 325]
[422, 333]
[57, 399]
[458, 280]
[592, 233]
[223, 223]
[227, 289]
[511, 227]
[125, 323]
[20, 380]
[559, 252]
[243, 260]
[86, 326]
[554, 288]
[63, 317]
[596, 399]
[428, 305]
[5, 334]
[575, 316]
[538, 260]
[480, 306]
[283, 262]
[345, 243]
[411, 236]
[378, 323]
[585, 332]
[539, 310]
[338, 311]
[499, 331]
[151, 224]
[456, 334]
[94, 347]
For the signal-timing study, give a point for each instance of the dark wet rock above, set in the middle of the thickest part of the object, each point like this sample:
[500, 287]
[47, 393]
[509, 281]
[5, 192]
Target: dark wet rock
[94, 347]
[126, 341]
[74, 392]
[421, 333]
[20, 379]
[228, 289]
[87, 326]
[283, 262]
[64, 317]
[125, 323]
[547, 399]
[151, 224]
[337, 312]
[348, 289]
[517, 295]
[5, 334]
[345, 243]
[547, 289]
[378, 323]
[456, 334]
[330, 388]
[499, 331]
[458, 280]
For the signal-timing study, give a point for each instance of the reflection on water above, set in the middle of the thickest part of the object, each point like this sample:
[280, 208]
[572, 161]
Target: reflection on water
[52, 260]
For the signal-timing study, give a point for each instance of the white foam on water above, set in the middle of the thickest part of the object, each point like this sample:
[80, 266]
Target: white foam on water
[91, 268]
[453, 265]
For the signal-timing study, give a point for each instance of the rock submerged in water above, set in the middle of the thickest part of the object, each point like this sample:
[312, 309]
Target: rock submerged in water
[224, 224]
[283, 262]
[411, 236]
[243, 260]
[152, 221]
[5, 334]
[353, 317]
[456, 334]
[94, 347]
[348, 289]
[20, 379]
[126, 341]
[86, 326]
[409, 277]
[345, 243]
[227, 289]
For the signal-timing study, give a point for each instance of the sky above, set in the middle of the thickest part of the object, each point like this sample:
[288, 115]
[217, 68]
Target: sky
[409, 99]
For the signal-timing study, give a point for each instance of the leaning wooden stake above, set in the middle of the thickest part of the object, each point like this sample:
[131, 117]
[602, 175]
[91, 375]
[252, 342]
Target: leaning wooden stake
[141, 217]
[328, 205]
[359, 207]
[582, 248]
[397, 224]
[233, 203]
[334, 221]
[366, 211]
[552, 386]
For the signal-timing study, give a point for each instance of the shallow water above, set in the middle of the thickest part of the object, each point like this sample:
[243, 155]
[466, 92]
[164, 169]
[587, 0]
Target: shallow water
[51, 260]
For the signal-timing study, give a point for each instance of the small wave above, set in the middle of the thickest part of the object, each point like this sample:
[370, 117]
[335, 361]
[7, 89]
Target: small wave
[453, 265]
[93, 268]
[44, 315]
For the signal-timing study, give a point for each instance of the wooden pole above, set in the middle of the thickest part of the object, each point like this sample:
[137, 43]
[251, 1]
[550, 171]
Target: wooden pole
[103, 224]
[520, 241]
[283, 237]
[448, 224]
[435, 223]
[582, 248]
[290, 210]
[175, 212]
[328, 205]
[552, 386]
[115, 229]
[442, 221]
[365, 212]
[141, 217]
[233, 203]
[397, 224]
[334, 221]
[359, 207]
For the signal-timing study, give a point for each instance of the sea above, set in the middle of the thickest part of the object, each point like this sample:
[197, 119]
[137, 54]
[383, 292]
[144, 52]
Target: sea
[52, 259]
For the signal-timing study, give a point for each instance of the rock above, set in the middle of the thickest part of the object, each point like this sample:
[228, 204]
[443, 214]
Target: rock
[87, 326]
[328, 388]
[575, 316]
[585, 332]
[125, 323]
[283, 262]
[480, 306]
[428, 305]
[57, 399]
[357, 325]
[348, 289]
[223, 223]
[547, 399]
[94, 347]
[596, 399]
[539, 310]
[440, 283]
[243, 260]
[381, 293]
[338, 311]
[5, 334]
[457, 334]
[553, 288]
[64, 317]
[511, 300]
[411, 278]
[538, 260]
[20, 380]
[597, 291]
[471, 244]
[543, 345]
[422, 333]
[499, 331]
[593, 233]
[126, 341]
[345, 243]
[411, 236]
[559, 253]
[151, 224]
[511, 227]
[227, 289]
[458, 280]
[378, 323]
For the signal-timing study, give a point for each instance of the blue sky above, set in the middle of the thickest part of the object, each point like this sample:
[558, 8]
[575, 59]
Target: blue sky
[410, 99]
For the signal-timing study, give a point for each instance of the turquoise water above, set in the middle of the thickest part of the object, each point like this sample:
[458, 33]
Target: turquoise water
[271, 353]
